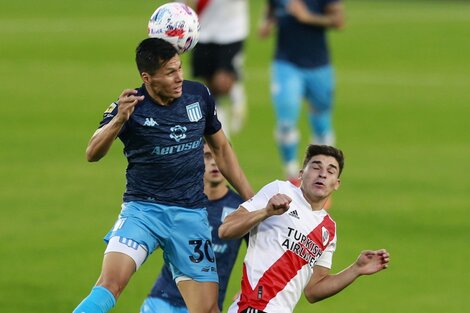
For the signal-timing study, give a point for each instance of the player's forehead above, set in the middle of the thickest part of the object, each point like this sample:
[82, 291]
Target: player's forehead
[207, 149]
[173, 63]
[324, 160]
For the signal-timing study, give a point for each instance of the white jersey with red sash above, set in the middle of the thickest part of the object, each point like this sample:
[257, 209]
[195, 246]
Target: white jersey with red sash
[282, 252]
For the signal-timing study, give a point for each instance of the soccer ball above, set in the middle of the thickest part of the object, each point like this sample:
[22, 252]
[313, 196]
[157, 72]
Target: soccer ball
[176, 23]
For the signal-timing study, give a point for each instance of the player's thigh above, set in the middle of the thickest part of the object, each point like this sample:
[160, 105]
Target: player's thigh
[287, 90]
[138, 231]
[320, 83]
[189, 249]
[157, 305]
[199, 296]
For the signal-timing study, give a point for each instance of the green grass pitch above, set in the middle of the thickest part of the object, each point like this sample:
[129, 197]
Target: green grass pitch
[401, 114]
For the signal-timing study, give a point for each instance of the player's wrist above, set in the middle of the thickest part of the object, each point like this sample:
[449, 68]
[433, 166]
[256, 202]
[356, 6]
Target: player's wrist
[265, 213]
[355, 269]
[120, 119]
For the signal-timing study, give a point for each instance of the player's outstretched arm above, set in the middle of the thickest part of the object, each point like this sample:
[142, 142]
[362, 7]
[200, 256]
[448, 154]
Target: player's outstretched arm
[104, 137]
[323, 285]
[240, 222]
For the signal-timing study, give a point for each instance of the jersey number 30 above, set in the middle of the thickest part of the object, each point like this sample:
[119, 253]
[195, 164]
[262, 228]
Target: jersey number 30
[199, 255]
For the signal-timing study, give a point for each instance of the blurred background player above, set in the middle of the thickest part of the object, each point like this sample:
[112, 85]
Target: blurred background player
[164, 296]
[301, 69]
[218, 57]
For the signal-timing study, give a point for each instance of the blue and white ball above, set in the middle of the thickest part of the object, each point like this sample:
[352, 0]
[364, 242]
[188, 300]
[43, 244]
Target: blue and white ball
[176, 23]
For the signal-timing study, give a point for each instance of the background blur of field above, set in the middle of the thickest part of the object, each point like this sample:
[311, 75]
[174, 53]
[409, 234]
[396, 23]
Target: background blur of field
[402, 118]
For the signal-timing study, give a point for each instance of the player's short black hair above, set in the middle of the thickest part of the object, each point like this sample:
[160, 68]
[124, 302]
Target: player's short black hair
[313, 150]
[153, 53]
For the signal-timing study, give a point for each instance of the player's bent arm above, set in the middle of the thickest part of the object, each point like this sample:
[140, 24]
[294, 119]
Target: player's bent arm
[228, 165]
[104, 137]
[323, 285]
[240, 222]
[102, 140]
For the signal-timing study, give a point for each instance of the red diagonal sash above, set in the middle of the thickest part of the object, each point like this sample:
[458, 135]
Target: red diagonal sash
[281, 272]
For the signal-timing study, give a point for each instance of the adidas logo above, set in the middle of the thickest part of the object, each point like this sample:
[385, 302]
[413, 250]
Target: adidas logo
[150, 122]
[294, 214]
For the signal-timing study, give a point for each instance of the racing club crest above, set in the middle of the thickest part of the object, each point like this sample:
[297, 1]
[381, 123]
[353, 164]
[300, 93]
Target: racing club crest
[194, 112]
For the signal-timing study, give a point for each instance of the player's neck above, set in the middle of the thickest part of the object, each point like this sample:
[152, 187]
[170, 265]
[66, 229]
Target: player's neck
[316, 203]
[215, 192]
[158, 99]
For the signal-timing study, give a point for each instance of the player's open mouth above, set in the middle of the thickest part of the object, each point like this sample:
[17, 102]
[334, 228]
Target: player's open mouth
[179, 89]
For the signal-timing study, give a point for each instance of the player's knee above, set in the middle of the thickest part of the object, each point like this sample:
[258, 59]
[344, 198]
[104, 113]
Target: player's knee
[322, 105]
[222, 83]
[287, 133]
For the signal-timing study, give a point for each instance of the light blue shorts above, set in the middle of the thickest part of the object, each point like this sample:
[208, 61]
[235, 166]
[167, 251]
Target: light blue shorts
[291, 84]
[183, 234]
[157, 305]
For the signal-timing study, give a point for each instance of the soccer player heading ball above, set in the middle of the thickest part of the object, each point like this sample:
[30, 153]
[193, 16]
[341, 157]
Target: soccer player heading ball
[162, 124]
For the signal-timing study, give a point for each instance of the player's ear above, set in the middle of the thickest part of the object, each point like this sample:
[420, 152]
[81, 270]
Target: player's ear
[145, 77]
[337, 184]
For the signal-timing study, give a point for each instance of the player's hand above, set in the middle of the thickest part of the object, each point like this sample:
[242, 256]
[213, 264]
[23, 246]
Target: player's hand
[265, 28]
[126, 104]
[370, 262]
[278, 204]
[299, 10]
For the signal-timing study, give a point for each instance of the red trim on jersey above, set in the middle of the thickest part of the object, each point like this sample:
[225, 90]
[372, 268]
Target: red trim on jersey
[201, 5]
[281, 272]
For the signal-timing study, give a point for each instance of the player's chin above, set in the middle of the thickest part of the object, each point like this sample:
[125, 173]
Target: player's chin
[177, 93]
[322, 193]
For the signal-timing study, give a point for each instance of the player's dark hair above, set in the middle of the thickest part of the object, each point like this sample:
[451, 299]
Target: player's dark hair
[152, 53]
[313, 150]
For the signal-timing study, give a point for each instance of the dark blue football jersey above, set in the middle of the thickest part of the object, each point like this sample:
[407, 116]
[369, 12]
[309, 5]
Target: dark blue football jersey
[164, 147]
[225, 252]
[299, 43]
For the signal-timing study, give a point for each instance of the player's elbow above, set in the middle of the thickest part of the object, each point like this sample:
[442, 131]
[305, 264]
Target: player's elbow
[92, 156]
[340, 25]
[311, 298]
[225, 233]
